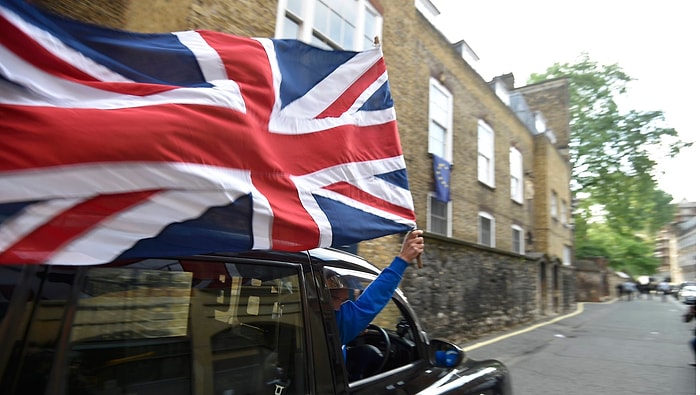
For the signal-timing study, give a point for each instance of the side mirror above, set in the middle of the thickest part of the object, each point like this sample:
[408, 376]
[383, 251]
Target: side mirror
[445, 354]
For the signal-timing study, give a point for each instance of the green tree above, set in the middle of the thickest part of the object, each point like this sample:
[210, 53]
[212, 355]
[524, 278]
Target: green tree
[612, 157]
[632, 254]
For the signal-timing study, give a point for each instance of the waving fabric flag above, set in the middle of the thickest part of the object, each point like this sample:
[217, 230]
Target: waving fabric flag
[118, 144]
[441, 170]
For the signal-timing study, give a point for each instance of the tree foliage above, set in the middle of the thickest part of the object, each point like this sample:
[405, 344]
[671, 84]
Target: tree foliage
[633, 255]
[612, 157]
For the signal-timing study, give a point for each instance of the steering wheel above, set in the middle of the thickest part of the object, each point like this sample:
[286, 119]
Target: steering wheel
[384, 351]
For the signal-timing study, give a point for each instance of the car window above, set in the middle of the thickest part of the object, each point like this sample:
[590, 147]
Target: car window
[163, 326]
[399, 329]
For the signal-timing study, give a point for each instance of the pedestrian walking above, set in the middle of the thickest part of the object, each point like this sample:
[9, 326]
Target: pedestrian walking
[630, 289]
[664, 288]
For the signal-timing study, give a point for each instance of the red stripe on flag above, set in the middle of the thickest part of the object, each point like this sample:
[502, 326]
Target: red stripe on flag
[290, 220]
[355, 193]
[268, 157]
[247, 64]
[350, 95]
[41, 244]
[48, 136]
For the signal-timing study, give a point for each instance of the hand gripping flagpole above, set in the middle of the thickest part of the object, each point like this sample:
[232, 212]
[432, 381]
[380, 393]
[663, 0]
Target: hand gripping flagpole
[419, 259]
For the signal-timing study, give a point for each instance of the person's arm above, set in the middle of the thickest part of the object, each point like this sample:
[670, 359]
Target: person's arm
[354, 317]
[357, 315]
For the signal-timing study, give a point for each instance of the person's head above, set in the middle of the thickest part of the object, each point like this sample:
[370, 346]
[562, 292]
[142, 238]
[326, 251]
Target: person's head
[339, 288]
[338, 297]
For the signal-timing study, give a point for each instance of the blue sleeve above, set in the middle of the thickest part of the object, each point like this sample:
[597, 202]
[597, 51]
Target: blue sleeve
[353, 317]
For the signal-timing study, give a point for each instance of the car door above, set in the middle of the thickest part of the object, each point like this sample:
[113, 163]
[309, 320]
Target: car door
[200, 325]
[391, 352]
[407, 369]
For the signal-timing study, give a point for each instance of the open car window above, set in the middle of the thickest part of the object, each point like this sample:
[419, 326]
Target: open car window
[389, 341]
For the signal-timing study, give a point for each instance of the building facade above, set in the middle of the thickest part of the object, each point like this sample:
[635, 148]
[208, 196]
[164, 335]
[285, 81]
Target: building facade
[676, 245]
[499, 251]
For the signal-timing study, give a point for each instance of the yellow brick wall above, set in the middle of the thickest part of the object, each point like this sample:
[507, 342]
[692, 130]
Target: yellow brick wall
[414, 52]
[553, 170]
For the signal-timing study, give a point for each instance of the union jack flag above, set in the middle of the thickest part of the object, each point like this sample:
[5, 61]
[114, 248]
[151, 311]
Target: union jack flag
[118, 144]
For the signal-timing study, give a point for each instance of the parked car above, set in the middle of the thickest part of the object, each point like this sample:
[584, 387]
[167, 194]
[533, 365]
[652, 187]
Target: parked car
[687, 294]
[248, 323]
[675, 288]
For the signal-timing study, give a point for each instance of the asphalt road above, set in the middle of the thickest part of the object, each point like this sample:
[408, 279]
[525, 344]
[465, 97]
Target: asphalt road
[618, 348]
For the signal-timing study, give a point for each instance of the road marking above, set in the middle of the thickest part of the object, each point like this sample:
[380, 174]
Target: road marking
[579, 310]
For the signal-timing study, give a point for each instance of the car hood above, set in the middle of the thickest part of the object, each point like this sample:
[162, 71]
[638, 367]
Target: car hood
[471, 377]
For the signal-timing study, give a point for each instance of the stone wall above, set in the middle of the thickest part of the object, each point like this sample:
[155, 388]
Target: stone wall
[465, 291]
[595, 281]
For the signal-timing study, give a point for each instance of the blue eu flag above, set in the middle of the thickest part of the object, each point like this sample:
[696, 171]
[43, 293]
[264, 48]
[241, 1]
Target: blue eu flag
[441, 170]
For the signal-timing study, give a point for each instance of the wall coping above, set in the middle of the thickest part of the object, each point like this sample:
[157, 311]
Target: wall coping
[477, 246]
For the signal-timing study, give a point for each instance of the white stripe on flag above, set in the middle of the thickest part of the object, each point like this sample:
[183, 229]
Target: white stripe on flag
[210, 62]
[120, 232]
[88, 180]
[61, 51]
[327, 91]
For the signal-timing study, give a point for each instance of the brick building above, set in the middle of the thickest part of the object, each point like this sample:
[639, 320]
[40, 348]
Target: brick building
[676, 246]
[499, 251]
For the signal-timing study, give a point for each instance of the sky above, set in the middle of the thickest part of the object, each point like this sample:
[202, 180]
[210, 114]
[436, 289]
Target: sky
[652, 41]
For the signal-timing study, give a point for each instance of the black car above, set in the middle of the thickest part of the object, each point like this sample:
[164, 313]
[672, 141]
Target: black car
[248, 323]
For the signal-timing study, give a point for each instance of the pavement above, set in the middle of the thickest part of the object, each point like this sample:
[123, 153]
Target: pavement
[618, 347]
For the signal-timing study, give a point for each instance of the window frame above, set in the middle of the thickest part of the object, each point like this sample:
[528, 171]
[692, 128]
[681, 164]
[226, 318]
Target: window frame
[445, 124]
[553, 206]
[429, 222]
[516, 175]
[492, 229]
[486, 148]
[566, 255]
[521, 239]
[563, 215]
[308, 32]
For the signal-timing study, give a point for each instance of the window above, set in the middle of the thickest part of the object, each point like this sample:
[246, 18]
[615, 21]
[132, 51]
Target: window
[439, 216]
[360, 362]
[516, 175]
[553, 210]
[486, 154]
[518, 239]
[566, 256]
[332, 24]
[155, 325]
[440, 118]
[564, 217]
[487, 234]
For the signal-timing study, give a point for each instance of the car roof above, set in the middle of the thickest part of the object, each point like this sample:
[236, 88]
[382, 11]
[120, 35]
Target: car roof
[321, 256]
[339, 258]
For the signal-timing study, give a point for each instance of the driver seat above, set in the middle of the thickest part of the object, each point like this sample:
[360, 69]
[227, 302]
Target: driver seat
[362, 361]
